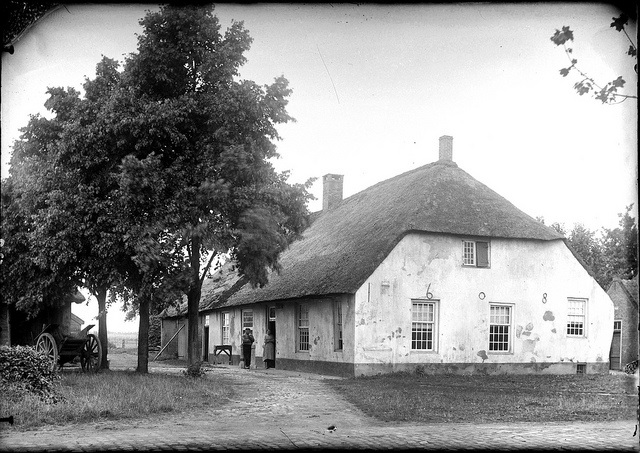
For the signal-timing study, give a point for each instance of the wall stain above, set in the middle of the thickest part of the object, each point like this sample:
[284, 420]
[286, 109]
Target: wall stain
[529, 326]
[533, 360]
[518, 331]
[529, 345]
[454, 348]
[483, 355]
[362, 322]
[553, 330]
[599, 358]
[399, 330]
[461, 347]
[526, 332]
[548, 316]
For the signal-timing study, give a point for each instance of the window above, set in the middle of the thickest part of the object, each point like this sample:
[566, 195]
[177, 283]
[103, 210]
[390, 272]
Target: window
[500, 328]
[475, 253]
[617, 326]
[247, 319]
[423, 325]
[576, 317]
[206, 320]
[303, 328]
[337, 315]
[226, 328]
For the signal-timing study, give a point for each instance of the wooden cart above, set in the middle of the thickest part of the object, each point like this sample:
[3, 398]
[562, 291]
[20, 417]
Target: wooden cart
[62, 348]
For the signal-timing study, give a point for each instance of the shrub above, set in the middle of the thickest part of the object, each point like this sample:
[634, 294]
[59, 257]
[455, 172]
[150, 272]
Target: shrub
[23, 371]
[155, 323]
[194, 370]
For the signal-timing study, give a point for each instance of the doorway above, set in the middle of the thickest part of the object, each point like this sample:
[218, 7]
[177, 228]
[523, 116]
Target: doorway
[205, 341]
[271, 325]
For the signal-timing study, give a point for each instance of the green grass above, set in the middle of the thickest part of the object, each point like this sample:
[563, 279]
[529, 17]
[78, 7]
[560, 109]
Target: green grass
[114, 395]
[405, 397]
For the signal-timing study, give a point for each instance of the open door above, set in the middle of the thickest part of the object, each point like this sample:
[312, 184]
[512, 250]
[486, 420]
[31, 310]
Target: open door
[271, 325]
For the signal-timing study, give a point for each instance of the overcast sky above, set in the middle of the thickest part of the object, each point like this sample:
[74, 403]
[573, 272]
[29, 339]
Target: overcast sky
[375, 86]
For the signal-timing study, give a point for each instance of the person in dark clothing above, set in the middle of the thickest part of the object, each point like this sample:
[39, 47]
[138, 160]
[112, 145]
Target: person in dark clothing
[247, 341]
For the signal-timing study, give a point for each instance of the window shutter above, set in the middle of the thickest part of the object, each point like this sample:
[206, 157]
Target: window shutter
[482, 254]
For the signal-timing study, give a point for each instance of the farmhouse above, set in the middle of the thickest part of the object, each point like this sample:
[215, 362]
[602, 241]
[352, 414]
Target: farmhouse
[624, 345]
[428, 270]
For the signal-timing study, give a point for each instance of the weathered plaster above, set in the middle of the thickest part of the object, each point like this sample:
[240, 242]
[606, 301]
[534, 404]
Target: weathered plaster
[535, 277]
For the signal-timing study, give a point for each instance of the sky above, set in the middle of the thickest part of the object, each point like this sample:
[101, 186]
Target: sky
[375, 86]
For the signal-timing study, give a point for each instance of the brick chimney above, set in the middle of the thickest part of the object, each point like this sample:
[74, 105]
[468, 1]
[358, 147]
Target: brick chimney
[331, 191]
[446, 148]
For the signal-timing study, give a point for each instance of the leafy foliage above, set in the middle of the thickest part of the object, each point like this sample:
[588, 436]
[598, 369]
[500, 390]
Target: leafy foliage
[160, 168]
[155, 323]
[609, 253]
[194, 370]
[23, 370]
[607, 93]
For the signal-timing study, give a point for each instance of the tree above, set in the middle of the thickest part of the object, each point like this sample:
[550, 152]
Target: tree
[63, 170]
[607, 93]
[158, 170]
[609, 253]
[620, 248]
[584, 242]
[197, 179]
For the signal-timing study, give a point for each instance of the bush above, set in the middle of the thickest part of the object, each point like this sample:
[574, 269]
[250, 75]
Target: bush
[23, 371]
[194, 370]
[155, 323]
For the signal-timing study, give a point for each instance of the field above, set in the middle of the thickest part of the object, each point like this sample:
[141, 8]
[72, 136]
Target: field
[115, 395]
[486, 399]
[123, 340]
[121, 394]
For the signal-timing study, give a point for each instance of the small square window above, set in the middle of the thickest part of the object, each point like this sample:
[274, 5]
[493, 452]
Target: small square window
[581, 368]
[475, 253]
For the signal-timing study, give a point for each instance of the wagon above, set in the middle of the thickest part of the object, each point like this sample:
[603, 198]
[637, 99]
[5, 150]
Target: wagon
[62, 348]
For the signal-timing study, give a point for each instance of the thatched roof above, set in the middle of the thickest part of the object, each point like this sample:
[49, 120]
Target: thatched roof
[216, 290]
[343, 246]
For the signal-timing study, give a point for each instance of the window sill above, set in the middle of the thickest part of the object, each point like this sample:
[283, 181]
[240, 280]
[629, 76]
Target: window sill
[422, 351]
[499, 352]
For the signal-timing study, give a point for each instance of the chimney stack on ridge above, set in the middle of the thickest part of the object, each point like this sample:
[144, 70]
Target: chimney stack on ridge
[331, 191]
[446, 148]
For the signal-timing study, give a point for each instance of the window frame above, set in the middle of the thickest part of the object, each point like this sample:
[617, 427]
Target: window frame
[510, 330]
[617, 325]
[435, 303]
[570, 316]
[225, 327]
[302, 346]
[245, 321]
[471, 245]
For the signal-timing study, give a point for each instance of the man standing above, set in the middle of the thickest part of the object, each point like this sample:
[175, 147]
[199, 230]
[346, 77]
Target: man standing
[247, 341]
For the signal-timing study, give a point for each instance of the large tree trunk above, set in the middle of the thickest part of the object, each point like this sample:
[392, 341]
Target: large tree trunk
[101, 295]
[143, 336]
[194, 341]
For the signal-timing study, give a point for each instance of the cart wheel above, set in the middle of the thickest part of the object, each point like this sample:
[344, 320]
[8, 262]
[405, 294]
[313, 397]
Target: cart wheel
[47, 344]
[91, 355]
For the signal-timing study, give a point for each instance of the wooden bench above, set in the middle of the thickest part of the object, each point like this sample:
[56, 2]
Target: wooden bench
[226, 348]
